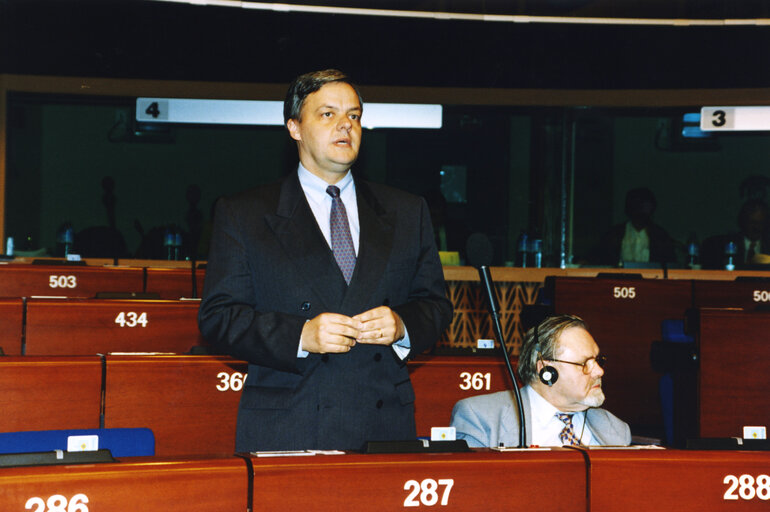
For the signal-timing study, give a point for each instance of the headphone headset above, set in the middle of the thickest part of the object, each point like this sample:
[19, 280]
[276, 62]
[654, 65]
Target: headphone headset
[548, 374]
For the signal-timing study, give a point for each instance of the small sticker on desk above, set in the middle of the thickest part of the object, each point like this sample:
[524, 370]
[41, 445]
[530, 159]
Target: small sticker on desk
[754, 433]
[442, 434]
[485, 344]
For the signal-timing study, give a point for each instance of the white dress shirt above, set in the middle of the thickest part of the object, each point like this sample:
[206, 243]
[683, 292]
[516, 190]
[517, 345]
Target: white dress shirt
[321, 204]
[635, 245]
[546, 427]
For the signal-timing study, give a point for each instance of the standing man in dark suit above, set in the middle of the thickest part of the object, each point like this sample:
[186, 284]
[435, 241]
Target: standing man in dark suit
[325, 284]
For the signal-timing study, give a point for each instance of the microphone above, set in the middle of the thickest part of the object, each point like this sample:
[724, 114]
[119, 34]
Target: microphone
[479, 251]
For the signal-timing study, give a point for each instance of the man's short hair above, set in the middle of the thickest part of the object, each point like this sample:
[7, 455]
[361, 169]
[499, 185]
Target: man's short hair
[305, 85]
[542, 342]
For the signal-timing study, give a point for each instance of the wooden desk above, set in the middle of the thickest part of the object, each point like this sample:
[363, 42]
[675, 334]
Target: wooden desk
[624, 317]
[189, 402]
[90, 326]
[49, 393]
[131, 485]
[439, 382]
[732, 378]
[483, 480]
[734, 294]
[684, 481]
[171, 283]
[11, 325]
[20, 280]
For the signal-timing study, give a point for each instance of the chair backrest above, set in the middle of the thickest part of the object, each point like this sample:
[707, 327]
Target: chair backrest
[121, 442]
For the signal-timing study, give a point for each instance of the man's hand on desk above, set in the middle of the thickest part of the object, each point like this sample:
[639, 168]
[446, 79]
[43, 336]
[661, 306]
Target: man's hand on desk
[329, 333]
[380, 326]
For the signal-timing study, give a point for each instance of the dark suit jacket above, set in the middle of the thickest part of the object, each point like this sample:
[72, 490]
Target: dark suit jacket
[270, 270]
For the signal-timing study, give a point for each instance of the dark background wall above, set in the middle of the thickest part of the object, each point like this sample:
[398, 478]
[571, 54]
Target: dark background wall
[142, 39]
[60, 148]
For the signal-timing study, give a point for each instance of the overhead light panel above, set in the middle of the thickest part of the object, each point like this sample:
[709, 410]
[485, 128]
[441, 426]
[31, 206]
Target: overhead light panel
[270, 113]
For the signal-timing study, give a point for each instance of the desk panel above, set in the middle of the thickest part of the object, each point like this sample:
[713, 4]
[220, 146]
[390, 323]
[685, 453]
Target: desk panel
[440, 381]
[483, 480]
[67, 281]
[90, 326]
[205, 485]
[684, 481]
[11, 323]
[624, 317]
[733, 373]
[189, 402]
[733, 294]
[49, 393]
[171, 283]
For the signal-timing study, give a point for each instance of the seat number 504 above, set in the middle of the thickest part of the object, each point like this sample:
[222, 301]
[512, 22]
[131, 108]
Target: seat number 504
[427, 492]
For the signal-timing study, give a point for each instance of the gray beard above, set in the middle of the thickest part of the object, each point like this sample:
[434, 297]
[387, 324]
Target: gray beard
[594, 399]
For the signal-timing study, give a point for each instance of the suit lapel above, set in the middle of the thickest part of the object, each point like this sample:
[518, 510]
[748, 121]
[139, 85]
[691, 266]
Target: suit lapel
[374, 248]
[594, 422]
[306, 249]
[509, 429]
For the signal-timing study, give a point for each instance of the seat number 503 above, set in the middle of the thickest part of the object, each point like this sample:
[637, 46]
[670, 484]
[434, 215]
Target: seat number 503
[63, 281]
[427, 492]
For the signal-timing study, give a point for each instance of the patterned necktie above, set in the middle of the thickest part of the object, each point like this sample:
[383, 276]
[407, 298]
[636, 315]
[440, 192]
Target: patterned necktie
[567, 435]
[342, 242]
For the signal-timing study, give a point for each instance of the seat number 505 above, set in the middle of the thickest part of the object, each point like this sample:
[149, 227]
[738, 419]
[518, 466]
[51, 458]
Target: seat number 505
[624, 292]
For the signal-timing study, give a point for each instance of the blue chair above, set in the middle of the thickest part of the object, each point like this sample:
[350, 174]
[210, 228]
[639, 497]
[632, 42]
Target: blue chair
[121, 442]
[672, 331]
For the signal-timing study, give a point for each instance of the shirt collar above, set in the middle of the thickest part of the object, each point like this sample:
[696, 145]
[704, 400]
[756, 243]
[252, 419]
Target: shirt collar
[543, 411]
[314, 185]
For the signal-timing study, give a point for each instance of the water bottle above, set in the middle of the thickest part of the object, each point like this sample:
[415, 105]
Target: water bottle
[168, 243]
[522, 247]
[177, 244]
[730, 251]
[536, 249]
[692, 253]
[9, 246]
[69, 240]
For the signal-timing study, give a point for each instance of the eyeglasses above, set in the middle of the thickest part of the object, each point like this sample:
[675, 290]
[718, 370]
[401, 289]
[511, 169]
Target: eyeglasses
[588, 365]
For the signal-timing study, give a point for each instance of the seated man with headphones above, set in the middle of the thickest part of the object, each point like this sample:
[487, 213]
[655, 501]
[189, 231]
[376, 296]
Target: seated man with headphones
[562, 369]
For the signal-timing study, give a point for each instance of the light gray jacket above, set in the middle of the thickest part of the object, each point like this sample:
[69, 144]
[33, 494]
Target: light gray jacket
[491, 419]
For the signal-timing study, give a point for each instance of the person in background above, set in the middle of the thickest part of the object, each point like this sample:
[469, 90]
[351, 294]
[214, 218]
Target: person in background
[638, 239]
[750, 243]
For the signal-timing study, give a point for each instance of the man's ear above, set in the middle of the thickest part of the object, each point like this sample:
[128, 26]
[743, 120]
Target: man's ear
[293, 126]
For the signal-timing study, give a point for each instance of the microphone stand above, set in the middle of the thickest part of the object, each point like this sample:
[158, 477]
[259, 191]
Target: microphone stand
[488, 284]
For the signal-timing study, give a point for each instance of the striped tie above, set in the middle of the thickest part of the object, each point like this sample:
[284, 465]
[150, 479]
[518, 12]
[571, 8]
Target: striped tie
[567, 435]
[342, 242]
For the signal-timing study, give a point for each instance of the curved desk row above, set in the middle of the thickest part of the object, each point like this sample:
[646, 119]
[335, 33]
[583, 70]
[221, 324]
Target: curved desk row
[596, 480]
[190, 402]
